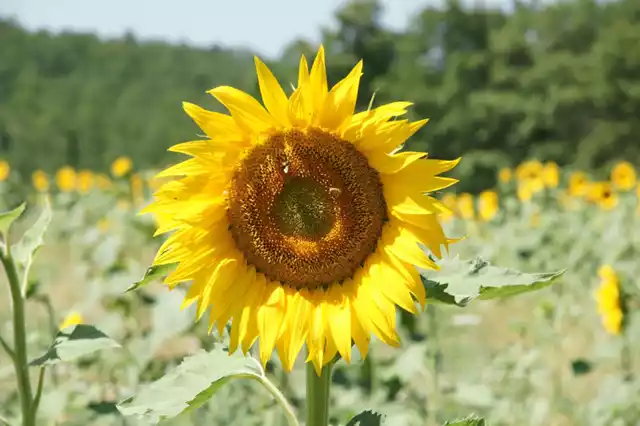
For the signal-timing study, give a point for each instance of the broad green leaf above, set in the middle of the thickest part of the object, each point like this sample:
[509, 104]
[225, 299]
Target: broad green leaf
[7, 218]
[472, 420]
[33, 238]
[73, 343]
[367, 418]
[458, 282]
[152, 273]
[190, 385]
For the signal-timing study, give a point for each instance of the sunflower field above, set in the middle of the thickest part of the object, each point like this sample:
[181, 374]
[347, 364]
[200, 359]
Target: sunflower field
[432, 227]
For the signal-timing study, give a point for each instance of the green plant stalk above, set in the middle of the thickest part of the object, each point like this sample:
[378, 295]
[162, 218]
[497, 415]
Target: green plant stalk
[432, 408]
[282, 400]
[20, 362]
[318, 391]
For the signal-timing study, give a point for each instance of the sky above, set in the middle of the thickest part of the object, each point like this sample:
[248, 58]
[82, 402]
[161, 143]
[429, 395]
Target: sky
[265, 26]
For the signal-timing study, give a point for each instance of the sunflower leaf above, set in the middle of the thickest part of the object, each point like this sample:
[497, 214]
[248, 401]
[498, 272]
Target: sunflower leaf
[190, 385]
[7, 218]
[458, 282]
[25, 249]
[367, 418]
[154, 272]
[472, 420]
[74, 343]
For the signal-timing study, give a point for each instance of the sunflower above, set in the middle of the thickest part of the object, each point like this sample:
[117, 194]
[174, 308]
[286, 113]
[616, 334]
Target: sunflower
[602, 194]
[623, 176]
[85, 181]
[465, 206]
[505, 174]
[121, 166]
[5, 169]
[578, 184]
[66, 179]
[531, 172]
[524, 191]
[551, 174]
[488, 205]
[449, 200]
[40, 181]
[608, 300]
[299, 221]
[73, 318]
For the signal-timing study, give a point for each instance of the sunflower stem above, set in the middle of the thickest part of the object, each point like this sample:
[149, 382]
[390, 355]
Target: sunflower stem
[19, 359]
[318, 389]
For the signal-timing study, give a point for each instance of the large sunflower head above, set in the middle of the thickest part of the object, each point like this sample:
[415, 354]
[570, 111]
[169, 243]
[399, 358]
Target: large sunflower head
[299, 220]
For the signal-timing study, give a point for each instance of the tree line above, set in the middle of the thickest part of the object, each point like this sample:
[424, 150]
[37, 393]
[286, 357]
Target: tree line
[556, 82]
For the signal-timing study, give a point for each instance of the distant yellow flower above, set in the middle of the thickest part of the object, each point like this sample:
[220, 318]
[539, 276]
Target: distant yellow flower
[608, 300]
[74, 318]
[601, 193]
[4, 170]
[449, 200]
[623, 176]
[137, 188]
[465, 207]
[488, 205]
[40, 181]
[85, 181]
[534, 221]
[578, 184]
[531, 172]
[103, 225]
[123, 205]
[505, 174]
[121, 166]
[524, 191]
[103, 182]
[551, 174]
[66, 179]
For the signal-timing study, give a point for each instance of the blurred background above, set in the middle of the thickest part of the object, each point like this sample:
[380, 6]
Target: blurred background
[541, 99]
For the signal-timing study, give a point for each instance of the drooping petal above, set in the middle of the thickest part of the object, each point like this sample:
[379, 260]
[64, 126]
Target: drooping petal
[245, 110]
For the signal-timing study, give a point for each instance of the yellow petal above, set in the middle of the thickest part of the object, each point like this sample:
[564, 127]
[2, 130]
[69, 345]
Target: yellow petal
[402, 244]
[274, 98]
[318, 81]
[244, 109]
[341, 101]
[375, 312]
[270, 316]
[295, 327]
[392, 163]
[217, 126]
[386, 281]
[339, 319]
[227, 300]
[316, 337]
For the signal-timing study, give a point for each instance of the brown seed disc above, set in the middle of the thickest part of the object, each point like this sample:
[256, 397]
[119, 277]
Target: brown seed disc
[306, 208]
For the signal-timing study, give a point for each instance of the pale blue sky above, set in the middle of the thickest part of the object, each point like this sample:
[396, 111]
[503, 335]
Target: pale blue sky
[263, 25]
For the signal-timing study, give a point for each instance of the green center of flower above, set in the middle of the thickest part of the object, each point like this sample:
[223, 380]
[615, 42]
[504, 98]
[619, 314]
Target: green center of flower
[304, 209]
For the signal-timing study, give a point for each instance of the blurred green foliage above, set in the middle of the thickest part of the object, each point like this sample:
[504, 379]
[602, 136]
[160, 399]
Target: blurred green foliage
[558, 82]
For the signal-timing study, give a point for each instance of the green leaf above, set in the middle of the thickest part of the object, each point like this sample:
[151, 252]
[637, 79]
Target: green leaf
[472, 420]
[580, 366]
[190, 385]
[77, 342]
[459, 282]
[33, 238]
[152, 273]
[7, 218]
[367, 418]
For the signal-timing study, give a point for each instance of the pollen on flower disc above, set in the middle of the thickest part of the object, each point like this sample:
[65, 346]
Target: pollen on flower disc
[305, 208]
